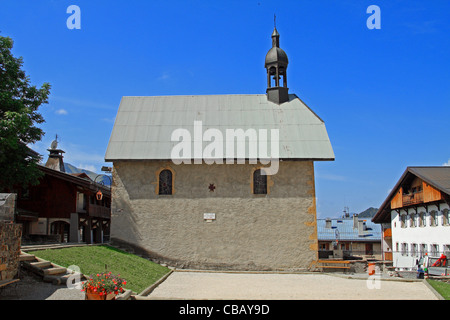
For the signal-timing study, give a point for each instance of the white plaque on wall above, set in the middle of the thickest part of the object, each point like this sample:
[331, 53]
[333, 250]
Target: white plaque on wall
[209, 216]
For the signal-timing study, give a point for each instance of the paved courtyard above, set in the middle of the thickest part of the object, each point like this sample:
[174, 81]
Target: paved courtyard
[212, 285]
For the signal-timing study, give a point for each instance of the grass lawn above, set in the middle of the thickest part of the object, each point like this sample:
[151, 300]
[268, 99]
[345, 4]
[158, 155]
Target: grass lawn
[441, 287]
[138, 272]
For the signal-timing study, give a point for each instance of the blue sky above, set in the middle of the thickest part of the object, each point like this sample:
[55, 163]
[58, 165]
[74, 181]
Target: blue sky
[384, 94]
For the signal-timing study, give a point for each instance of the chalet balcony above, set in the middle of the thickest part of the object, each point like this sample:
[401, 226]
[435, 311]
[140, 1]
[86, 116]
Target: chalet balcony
[411, 199]
[387, 233]
[99, 211]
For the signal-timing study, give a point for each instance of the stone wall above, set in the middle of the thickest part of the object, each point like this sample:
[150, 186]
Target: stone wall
[10, 237]
[10, 234]
[276, 231]
[7, 206]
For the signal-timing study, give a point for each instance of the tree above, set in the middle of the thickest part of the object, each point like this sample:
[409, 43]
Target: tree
[19, 103]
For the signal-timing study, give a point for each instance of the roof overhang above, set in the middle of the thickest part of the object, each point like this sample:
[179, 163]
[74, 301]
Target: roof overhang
[384, 212]
[85, 183]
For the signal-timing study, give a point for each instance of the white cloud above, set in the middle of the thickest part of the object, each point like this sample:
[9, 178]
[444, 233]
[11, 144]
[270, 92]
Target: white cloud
[109, 120]
[89, 167]
[164, 76]
[77, 155]
[425, 27]
[83, 103]
[447, 163]
[61, 111]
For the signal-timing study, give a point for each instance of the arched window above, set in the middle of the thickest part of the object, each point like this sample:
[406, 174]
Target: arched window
[259, 182]
[165, 182]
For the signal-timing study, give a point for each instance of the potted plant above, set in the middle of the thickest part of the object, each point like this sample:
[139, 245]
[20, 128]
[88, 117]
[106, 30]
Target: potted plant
[103, 286]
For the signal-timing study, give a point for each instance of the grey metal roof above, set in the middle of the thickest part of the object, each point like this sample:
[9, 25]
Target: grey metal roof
[346, 231]
[144, 125]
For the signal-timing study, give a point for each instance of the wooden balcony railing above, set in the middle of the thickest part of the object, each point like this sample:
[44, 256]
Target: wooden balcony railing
[414, 198]
[99, 211]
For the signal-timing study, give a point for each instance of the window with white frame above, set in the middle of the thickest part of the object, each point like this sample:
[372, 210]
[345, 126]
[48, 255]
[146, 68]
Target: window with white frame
[422, 222]
[433, 218]
[445, 217]
[403, 220]
[447, 249]
[413, 220]
[404, 249]
[423, 249]
[434, 250]
[414, 249]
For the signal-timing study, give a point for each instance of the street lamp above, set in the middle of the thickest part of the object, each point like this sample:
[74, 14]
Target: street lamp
[99, 194]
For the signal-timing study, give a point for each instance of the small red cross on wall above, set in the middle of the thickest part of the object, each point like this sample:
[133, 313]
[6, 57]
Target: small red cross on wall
[211, 187]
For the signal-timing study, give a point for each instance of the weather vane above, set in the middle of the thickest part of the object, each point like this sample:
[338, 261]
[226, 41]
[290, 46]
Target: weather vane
[274, 20]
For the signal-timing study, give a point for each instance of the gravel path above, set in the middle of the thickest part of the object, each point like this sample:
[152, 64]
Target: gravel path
[240, 286]
[31, 287]
[243, 286]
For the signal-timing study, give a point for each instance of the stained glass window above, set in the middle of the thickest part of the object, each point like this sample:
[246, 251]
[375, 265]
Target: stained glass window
[259, 182]
[165, 182]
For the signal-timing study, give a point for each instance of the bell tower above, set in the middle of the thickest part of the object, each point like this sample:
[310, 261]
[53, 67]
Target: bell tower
[276, 64]
[55, 158]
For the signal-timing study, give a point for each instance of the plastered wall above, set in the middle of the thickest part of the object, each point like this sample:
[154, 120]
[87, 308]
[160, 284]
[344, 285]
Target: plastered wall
[249, 232]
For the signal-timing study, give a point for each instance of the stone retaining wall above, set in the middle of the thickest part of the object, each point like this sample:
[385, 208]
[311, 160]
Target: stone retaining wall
[7, 206]
[10, 235]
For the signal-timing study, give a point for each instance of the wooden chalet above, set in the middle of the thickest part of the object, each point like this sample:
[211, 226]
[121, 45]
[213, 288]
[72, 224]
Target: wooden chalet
[64, 207]
[415, 216]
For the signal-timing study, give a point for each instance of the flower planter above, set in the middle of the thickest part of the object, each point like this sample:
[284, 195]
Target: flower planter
[97, 285]
[91, 295]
